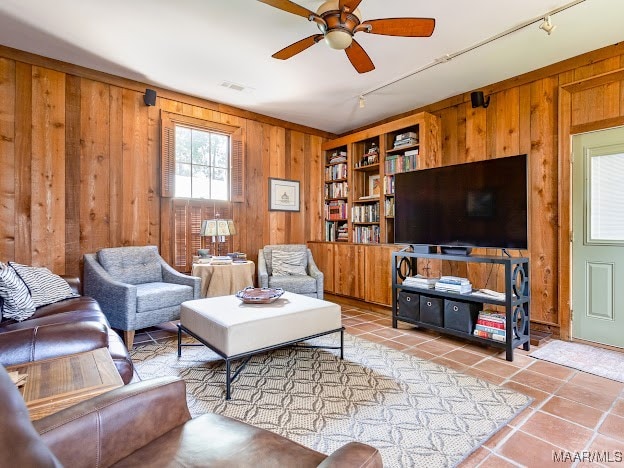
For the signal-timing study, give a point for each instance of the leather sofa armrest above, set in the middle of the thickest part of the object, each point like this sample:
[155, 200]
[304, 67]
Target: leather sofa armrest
[111, 426]
[354, 454]
[74, 283]
[50, 341]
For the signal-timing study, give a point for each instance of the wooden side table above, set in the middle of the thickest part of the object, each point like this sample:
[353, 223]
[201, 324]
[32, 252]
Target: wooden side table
[55, 384]
[224, 280]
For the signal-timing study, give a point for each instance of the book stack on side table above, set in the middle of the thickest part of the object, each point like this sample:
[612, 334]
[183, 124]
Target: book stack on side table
[454, 284]
[491, 325]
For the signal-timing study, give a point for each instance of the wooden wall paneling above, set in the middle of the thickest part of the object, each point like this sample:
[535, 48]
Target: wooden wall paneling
[153, 174]
[507, 123]
[94, 166]
[277, 169]
[267, 132]
[115, 178]
[73, 252]
[448, 119]
[7, 159]
[297, 172]
[135, 215]
[543, 201]
[252, 212]
[476, 132]
[48, 169]
[314, 180]
[23, 155]
[461, 131]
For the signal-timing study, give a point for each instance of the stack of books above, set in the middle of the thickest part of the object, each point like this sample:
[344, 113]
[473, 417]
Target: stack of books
[404, 139]
[491, 325]
[220, 260]
[420, 281]
[338, 157]
[454, 284]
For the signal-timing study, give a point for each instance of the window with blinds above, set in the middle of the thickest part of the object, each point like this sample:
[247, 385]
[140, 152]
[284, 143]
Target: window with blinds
[605, 198]
[201, 159]
[202, 172]
[187, 220]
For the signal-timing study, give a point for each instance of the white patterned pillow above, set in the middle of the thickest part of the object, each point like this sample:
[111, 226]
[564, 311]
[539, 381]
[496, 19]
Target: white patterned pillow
[17, 303]
[285, 263]
[45, 287]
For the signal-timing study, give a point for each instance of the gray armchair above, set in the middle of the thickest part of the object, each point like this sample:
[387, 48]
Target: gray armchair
[136, 288]
[308, 284]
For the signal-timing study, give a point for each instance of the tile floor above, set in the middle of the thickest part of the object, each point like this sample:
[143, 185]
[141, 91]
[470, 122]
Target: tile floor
[573, 412]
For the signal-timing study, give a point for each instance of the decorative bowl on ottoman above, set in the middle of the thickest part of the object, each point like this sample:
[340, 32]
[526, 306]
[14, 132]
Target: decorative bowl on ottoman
[253, 295]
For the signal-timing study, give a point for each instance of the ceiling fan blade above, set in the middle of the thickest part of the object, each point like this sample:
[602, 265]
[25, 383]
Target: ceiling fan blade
[350, 4]
[359, 58]
[299, 46]
[290, 7]
[406, 27]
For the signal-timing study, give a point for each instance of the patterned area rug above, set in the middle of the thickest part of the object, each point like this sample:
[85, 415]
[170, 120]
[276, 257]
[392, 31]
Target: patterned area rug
[586, 358]
[417, 413]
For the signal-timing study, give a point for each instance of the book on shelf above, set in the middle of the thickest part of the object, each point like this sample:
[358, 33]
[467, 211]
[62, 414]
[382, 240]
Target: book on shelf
[454, 280]
[403, 136]
[455, 288]
[489, 336]
[420, 281]
[366, 234]
[405, 142]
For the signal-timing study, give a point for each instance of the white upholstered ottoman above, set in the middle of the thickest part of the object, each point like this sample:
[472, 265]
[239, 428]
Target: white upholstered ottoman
[235, 330]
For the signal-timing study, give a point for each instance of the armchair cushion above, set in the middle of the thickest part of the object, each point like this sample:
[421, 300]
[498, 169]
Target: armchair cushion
[45, 287]
[132, 265]
[285, 263]
[269, 249]
[299, 284]
[153, 296]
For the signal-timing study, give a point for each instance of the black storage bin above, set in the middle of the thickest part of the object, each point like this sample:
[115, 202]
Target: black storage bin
[460, 316]
[409, 305]
[432, 310]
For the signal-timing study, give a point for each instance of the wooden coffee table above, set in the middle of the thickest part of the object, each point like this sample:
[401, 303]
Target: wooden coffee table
[55, 384]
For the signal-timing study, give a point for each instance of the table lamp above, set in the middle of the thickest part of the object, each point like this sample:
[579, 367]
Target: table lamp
[218, 229]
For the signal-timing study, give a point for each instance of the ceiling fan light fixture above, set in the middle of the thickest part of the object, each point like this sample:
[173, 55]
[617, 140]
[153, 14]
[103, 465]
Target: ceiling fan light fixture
[338, 39]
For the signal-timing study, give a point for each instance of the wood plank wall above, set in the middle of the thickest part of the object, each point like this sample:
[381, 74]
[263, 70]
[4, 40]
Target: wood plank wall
[79, 162]
[524, 118]
[80, 169]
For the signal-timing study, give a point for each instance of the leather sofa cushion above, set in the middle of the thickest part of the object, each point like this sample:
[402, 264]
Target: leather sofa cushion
[216, 440]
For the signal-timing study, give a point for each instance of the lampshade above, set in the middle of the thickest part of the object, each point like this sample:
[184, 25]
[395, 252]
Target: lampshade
[218, 227]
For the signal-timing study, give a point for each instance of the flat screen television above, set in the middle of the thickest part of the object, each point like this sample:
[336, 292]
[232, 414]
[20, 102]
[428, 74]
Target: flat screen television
[476, 204]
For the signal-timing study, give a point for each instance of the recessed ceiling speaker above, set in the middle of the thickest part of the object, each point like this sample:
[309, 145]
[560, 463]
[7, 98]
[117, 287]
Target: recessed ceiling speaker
[149, 97]
[477, 99]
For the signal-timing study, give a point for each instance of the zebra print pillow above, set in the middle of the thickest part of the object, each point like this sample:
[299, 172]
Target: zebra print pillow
[17, 303]
[44, 286]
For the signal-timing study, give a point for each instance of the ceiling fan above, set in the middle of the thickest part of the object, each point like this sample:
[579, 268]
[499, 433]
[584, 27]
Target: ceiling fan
[339, 20]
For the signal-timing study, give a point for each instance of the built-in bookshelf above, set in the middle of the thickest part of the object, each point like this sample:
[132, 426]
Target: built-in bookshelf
[336, 195]
[360, 171]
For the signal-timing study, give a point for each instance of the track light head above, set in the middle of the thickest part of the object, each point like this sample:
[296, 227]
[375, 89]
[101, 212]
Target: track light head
[362, 102]
[547, 26]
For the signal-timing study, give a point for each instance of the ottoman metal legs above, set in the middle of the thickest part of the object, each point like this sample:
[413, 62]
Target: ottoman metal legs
[246, 356]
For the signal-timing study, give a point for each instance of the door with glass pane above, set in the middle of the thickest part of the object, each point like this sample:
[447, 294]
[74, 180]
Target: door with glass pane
[598, 237]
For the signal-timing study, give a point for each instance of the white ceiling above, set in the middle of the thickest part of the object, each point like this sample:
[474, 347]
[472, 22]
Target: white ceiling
[193, 46]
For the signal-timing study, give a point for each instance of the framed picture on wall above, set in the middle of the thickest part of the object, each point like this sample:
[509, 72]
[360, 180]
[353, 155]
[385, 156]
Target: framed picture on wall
[283, 195]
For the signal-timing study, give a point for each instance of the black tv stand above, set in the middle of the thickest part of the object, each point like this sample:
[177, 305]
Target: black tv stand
[455, 250]
[516, 302]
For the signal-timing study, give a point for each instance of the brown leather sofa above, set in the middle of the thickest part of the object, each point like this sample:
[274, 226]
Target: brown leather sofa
[71, 326]
[148, 424]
